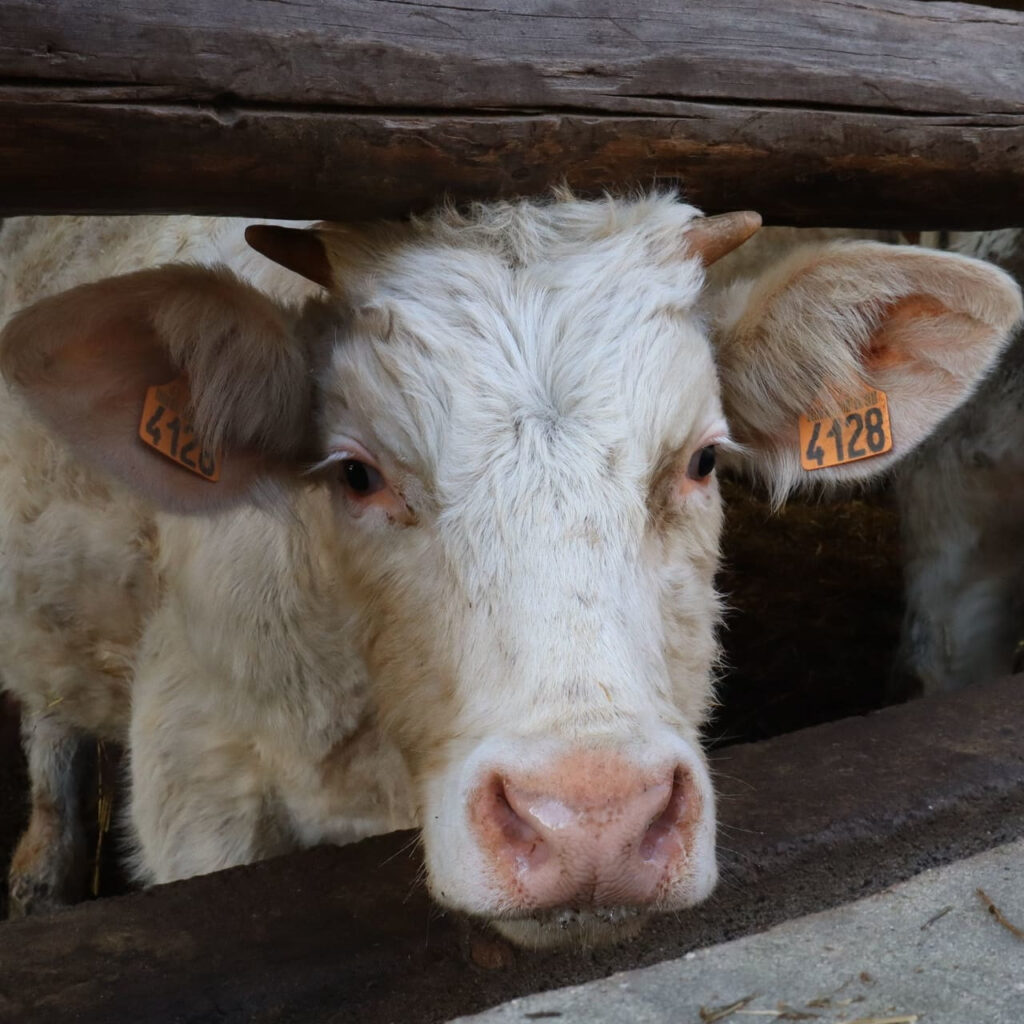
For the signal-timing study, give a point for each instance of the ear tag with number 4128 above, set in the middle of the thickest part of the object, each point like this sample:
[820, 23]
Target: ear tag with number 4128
[166, 429]
[861, 430]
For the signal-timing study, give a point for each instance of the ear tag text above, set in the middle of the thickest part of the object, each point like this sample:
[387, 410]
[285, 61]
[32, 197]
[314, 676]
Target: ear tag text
[861, 430]
[167, 430]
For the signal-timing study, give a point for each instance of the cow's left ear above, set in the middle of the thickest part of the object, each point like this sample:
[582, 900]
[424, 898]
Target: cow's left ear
[810, 349]
[168, 378]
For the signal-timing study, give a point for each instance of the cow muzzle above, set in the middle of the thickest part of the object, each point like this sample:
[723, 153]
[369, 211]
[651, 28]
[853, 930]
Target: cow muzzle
[588, 842]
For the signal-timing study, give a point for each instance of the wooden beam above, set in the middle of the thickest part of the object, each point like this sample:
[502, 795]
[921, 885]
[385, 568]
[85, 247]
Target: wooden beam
[808, 820]
[857, 112]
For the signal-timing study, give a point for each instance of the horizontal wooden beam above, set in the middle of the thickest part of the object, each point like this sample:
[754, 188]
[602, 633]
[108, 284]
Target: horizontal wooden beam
[889, 113]
[807, 820]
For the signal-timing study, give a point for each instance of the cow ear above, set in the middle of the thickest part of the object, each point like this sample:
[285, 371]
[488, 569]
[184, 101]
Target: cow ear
[86, 358]
[832, 332]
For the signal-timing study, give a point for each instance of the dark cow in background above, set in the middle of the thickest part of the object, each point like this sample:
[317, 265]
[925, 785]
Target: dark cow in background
[961, 500]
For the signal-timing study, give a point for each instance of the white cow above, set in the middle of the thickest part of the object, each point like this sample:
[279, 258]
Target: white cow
[458, 567]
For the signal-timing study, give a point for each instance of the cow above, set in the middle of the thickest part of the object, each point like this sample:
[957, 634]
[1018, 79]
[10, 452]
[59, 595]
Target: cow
[419, 523]
[960, 497]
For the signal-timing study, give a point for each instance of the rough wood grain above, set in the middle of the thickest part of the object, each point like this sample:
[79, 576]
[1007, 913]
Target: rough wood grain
[886, 112]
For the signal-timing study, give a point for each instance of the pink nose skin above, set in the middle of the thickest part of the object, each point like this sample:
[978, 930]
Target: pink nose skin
[590, 831]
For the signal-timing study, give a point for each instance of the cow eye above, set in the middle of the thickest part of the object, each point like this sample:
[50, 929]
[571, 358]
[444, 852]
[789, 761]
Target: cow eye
[702, 463]
[360, 478]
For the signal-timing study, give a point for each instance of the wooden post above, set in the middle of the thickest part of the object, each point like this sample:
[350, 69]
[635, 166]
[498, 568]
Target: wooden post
[855, 112]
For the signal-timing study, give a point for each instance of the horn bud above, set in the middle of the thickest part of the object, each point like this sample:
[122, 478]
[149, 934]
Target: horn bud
[300, 250]
[710, 238]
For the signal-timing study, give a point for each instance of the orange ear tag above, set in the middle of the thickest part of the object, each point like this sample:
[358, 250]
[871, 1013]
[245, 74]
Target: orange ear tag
[164, 428]
[861, 430]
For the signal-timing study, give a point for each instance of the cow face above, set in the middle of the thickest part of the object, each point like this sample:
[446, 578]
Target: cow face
[523, 455]
[518, 414]
[523, 462]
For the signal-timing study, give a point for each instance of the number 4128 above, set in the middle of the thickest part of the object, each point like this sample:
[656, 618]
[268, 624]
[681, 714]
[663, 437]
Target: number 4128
[858, 435]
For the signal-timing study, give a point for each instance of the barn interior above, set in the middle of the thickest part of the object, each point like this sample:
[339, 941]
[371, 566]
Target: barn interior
[879, 114]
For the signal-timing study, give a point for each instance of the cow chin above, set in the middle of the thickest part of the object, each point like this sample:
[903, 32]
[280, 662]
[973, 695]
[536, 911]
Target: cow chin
[574, 928]
[587, 927]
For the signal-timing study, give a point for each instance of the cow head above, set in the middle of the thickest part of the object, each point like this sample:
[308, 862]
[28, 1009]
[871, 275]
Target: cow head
[518, 413]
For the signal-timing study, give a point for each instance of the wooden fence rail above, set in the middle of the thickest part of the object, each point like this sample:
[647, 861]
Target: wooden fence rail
[854, 112]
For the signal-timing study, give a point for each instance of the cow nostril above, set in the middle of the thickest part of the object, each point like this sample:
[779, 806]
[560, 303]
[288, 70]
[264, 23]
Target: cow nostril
[520, 835]
[662, 828]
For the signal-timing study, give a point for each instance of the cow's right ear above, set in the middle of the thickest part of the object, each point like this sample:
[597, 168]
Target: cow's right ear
[86, 358]
[839, 359]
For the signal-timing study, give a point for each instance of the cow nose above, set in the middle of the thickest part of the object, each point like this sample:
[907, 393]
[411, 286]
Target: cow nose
[588, 833]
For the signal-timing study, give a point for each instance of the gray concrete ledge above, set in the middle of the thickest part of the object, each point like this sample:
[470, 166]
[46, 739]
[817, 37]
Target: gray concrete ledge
[809, 821]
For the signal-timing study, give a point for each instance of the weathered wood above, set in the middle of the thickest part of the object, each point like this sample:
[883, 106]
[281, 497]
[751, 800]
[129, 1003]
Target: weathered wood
[934, 171]
[885, 112]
